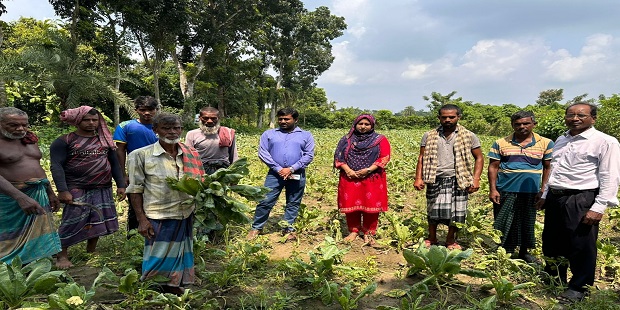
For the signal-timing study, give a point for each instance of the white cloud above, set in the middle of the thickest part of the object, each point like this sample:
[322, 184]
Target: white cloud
[593, 61]
[340, 71]
[415, 71]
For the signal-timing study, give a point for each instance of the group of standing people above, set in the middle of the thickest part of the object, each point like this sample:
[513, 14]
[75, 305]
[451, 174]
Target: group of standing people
[574, 180]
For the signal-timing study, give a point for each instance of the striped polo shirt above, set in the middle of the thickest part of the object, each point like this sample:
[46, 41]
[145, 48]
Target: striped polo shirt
[520, 168]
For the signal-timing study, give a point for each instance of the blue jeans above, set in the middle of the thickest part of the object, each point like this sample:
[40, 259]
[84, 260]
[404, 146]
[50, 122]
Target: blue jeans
[294, 193]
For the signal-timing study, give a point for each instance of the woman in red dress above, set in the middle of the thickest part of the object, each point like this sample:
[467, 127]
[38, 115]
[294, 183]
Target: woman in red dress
[361, 156]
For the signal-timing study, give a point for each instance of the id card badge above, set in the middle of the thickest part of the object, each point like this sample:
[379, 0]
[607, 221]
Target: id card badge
[295, 177]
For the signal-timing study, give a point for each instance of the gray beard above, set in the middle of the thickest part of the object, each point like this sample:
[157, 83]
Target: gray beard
[169, 141]
[209, 130]
[11, 136]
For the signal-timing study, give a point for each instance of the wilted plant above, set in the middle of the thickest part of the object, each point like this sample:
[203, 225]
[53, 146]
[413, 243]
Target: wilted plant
[19, 284]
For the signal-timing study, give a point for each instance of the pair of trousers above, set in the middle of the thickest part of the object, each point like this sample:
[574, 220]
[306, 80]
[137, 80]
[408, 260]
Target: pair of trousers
[565, 235]
[294, 192]
[367, 222]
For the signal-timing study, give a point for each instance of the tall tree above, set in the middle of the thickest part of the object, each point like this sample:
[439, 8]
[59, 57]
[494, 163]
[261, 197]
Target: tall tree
[297, 44]
[155, 24]
[550, 97]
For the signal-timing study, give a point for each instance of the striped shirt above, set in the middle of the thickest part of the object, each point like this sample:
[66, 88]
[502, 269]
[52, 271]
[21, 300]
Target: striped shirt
[520, 167]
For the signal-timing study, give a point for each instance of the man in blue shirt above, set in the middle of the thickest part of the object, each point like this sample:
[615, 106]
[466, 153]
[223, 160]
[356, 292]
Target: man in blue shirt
[132, 135]
[287, 151]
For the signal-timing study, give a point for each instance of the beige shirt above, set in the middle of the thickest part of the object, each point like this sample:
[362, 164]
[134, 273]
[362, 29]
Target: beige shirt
[148, 169]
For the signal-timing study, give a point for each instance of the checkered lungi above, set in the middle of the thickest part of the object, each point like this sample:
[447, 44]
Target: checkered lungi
[445, 202]
[515, 217]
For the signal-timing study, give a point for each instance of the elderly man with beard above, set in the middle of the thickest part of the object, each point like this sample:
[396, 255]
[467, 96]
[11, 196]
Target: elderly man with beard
[216, 144]
[165, 215]
[26, 198]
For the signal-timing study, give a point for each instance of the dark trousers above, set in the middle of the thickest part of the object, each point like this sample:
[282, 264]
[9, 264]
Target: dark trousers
[132, 220]
[565, 235]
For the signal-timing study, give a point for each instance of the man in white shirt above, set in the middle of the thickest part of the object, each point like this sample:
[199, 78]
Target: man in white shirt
[584, 179]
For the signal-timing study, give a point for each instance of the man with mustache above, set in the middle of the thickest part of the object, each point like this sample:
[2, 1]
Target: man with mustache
[518, 168]
[216, 144]
[165, 215]
[26, 197]
[444, 164]
[584, 179]
[287, 151]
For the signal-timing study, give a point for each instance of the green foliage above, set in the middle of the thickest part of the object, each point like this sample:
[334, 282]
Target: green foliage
[346, 299]
[216, 206]
[437, 263]
[73, 296]
[505, 291]
[19, 284]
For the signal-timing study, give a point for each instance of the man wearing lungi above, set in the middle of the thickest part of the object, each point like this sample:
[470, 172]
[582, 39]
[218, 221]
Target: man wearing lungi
[444, 164]
[516, 165]
[26, 198]
[83, 164]
[164, 215]
[584, 179]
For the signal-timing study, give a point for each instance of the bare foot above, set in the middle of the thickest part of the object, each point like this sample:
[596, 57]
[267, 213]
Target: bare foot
[350, 238]
[370, 240]
[63, 262]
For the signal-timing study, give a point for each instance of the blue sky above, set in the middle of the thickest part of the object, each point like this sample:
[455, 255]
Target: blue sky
[491, 52]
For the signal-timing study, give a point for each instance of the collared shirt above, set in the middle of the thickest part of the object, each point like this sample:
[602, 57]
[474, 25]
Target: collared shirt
[445, 152]
[520, 167]
[279, 149]
[588, 160]
[148, 169]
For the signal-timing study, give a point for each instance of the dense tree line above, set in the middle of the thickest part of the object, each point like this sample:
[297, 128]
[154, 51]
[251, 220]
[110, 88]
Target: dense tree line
[247, 58]
[242, 57]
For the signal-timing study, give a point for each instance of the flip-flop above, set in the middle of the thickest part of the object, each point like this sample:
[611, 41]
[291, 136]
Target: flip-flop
[369, 240]
[570, 297]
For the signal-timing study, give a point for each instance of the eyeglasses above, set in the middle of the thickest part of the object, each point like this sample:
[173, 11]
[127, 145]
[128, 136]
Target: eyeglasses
[579, 116]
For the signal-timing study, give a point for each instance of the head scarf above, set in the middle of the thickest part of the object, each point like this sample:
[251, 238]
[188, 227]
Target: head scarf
[359, 150]
[75, 116]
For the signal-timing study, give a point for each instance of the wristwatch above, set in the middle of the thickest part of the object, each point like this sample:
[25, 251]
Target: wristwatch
[292, 170]
[368, 170]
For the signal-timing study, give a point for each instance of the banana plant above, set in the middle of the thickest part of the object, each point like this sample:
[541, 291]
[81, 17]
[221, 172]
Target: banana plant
[216, 206]
[19, 284]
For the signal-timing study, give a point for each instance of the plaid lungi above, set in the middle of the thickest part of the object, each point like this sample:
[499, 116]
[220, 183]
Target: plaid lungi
[445, 202]
[515, 217]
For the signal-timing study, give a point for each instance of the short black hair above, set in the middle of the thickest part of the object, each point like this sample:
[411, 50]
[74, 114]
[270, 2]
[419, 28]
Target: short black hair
[522, 114]
[450, 106]
[593, 107]
[93, 111]
[288, 111]
[146, 102]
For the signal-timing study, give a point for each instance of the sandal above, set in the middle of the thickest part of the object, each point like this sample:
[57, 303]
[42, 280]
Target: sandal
[570, 297]
[350, 238]
[454, 246]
